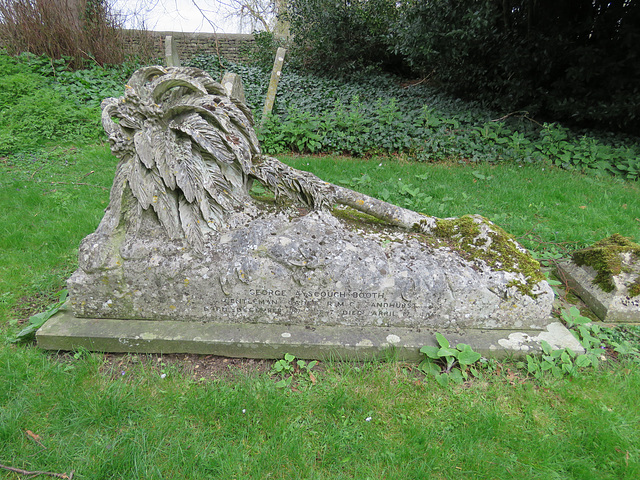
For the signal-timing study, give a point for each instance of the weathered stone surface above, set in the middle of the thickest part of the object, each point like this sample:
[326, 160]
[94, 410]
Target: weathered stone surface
[171, 52]
[183, 242]
[616, 306]
[606, 275]
[66, 332]
[232, 83]
[315, 269]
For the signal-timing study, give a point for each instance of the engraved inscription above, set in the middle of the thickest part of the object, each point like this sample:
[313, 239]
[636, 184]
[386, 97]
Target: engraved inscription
[333, 303]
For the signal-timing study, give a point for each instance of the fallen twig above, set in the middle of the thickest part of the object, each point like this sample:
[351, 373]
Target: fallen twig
[521, 113]
[35, 473]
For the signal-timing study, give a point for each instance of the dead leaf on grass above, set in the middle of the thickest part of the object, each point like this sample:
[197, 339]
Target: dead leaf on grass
[33, 435]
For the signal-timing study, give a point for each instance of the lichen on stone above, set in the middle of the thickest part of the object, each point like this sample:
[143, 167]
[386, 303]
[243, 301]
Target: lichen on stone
[478, 240]
[606, 258]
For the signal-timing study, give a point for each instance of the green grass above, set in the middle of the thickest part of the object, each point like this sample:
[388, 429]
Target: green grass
[50, 201]
[104, 424]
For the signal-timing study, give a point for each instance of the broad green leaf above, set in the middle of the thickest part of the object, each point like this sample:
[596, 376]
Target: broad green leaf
[557, 353]
[443, 379]
[583, 361]
[429, 368]
[448, 352]
[456, 376]
[468, 357]
[442, 341]
[430, 351]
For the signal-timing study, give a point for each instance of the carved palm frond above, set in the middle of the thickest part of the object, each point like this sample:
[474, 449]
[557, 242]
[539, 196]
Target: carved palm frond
[185, 151]
[188, 152]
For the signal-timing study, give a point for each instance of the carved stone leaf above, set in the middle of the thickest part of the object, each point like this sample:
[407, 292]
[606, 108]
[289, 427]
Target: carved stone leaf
[142, 76]
[141, 183]
[205, 135]
[218, 187]
[144, 148]
[165, 204]
[192, 224]
[165, 83]
[212, 87]
[190, 173]
[244, 125]
[112, 214]
[165, 160]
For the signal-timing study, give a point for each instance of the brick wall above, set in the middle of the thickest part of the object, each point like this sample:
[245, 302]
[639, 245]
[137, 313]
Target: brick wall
[189, 44]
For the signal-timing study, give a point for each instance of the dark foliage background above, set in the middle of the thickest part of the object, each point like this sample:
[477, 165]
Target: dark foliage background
[577, 61]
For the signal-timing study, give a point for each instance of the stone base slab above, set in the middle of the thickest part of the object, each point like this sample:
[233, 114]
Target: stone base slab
[66, 332]
[610, 307]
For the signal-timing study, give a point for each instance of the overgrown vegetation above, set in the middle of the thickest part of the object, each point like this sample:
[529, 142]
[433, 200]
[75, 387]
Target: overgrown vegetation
[44, 101]
[571, 61]
[82, 30]
[377, 114]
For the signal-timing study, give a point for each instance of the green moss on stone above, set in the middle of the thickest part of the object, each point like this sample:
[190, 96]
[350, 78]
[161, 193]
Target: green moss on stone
[605, 258]
[497, 249]
[357, 218]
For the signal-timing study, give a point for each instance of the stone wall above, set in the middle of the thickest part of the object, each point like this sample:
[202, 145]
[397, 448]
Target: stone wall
[229, 45]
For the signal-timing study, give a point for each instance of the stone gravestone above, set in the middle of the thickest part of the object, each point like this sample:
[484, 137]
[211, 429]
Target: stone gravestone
[171, 52]
[606, 276]
[233, 87]
[186, 260]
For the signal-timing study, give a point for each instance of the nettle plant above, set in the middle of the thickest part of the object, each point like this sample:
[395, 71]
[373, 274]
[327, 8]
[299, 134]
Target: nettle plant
[449, 364]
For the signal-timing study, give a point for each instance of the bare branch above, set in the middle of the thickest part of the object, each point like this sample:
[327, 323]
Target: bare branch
[37, 472]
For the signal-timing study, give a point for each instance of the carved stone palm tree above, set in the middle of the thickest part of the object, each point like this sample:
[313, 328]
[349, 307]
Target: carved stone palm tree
[190, 153]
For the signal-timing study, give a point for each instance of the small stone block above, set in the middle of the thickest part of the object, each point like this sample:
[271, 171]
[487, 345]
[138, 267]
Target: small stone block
[613, 307]
[66, 332]
[232, 84]
[171, 52]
